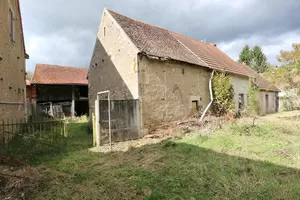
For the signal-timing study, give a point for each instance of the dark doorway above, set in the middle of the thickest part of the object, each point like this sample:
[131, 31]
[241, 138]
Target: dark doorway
[82, 108]
[267, 103]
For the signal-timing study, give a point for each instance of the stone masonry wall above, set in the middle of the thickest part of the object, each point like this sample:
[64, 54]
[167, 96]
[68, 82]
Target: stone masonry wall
[167, 90]
[240, 86]
[114, 67]
[12, 63]
[271, 108]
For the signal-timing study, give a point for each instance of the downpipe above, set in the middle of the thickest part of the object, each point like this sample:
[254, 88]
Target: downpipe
[211, 96]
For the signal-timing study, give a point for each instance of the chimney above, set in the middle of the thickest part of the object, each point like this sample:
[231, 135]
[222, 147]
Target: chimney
[213, 44]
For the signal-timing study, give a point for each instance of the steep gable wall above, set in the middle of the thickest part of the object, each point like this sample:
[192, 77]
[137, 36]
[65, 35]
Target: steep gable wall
[114, 67]
[12, 63]
[114, 62]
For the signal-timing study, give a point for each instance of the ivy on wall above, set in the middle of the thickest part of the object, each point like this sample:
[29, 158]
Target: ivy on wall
[223, 94]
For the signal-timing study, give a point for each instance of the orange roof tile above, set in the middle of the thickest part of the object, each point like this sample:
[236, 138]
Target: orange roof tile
[54, 74]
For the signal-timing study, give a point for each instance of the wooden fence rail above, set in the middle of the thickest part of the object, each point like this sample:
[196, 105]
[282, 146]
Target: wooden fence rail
[51, 128]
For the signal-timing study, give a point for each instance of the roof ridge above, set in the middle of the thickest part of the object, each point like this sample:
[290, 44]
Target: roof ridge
[156, 26]
[138, 20]
[55, 65]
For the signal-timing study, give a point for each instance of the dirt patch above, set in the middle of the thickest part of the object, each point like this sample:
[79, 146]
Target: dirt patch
[17, 178]
[177, 130]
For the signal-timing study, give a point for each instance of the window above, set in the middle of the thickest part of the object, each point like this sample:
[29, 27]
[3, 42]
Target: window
[104, 31]
[11, 19]
[241, 101]
[195, 106]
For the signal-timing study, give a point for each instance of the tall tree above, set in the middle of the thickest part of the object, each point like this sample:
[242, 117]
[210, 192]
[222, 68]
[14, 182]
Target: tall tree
[285, 76]
[254, 57]
[245, 55]
[291, 59]
[289, 69]
[259, 60]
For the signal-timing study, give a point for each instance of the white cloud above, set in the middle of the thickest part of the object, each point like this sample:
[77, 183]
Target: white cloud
[64, 32]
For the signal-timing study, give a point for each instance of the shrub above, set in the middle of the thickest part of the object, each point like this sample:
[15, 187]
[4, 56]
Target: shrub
[253, 107]
[223, 94]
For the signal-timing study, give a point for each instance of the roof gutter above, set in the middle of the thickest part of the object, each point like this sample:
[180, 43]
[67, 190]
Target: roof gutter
[211, 96]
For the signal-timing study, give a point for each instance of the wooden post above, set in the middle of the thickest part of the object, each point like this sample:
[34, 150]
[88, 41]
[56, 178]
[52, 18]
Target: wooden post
[94, 129]
[73, 103]
[64, 124]
[109, 121]
[97, 125]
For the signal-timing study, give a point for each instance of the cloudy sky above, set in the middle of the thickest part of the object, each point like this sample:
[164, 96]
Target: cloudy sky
[63, 32]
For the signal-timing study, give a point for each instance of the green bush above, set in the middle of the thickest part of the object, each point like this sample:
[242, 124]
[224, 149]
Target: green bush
[223, 94]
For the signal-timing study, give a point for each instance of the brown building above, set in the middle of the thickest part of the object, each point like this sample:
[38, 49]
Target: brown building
[155, 75]
[12, 62]
[59, 89]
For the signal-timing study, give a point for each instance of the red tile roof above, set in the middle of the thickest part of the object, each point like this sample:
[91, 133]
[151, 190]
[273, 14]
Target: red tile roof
[260, 82]
[156, 41]
[54, 74]
[160, 42]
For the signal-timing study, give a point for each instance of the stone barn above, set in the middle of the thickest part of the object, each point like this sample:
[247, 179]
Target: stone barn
[12, 62]
[154, 75]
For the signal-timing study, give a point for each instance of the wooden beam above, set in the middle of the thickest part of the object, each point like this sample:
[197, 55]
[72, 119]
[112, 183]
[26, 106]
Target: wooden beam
[73, 103]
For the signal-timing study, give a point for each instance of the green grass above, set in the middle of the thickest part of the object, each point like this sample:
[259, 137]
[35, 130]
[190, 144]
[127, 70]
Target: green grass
[275, 143]
[237, 162]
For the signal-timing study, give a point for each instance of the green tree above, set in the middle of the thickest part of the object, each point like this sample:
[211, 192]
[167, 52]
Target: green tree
[284, 76]
[289, 69]
[245, 55]
[253, 102]
[254, 57]
[259, 60]
[291, 59]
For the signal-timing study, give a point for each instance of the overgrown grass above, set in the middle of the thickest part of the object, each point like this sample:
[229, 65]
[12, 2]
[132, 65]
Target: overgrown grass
[238, 162]
[36, 148]
[275, 143]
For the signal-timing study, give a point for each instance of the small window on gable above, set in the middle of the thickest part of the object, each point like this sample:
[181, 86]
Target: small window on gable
[104, 31]
[11, 20]
[182, 71]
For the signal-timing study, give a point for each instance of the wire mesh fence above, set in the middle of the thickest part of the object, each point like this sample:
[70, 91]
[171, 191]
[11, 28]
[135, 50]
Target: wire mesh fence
[48, 129]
